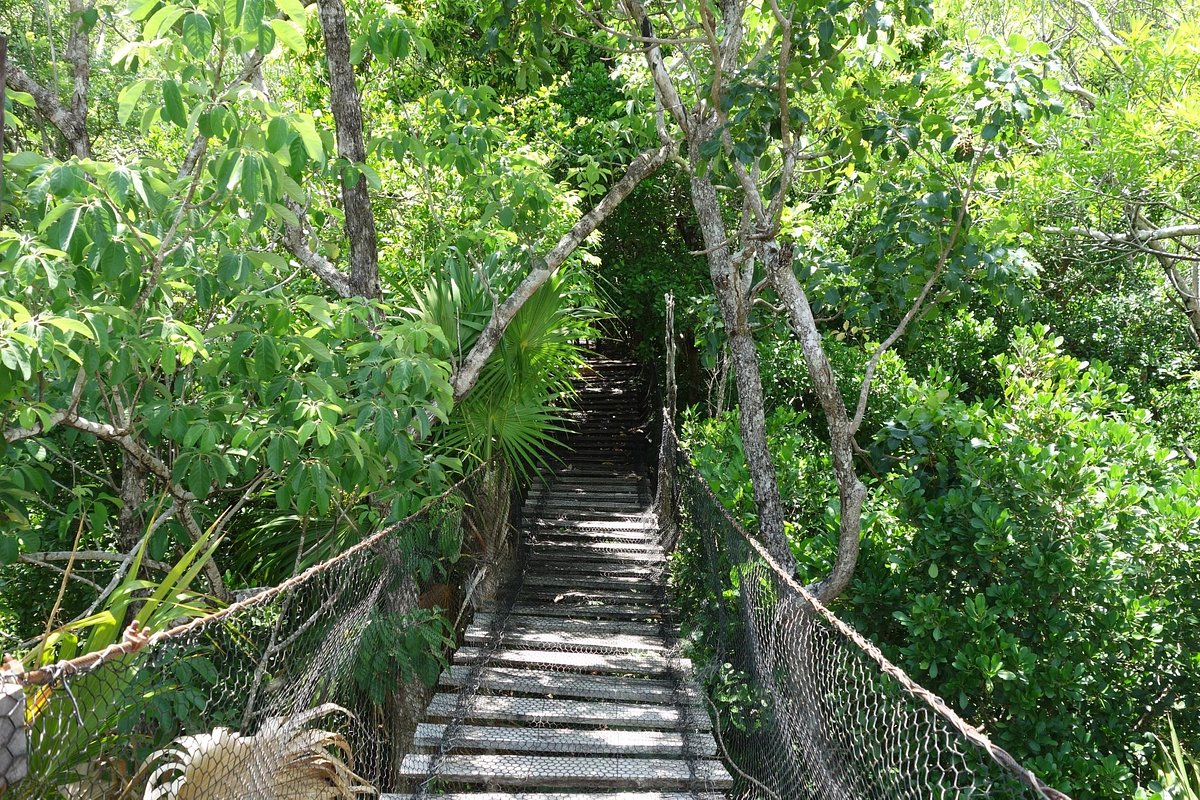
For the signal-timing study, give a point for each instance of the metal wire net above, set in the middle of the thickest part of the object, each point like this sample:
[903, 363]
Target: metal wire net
[306, 690]
[805, 707]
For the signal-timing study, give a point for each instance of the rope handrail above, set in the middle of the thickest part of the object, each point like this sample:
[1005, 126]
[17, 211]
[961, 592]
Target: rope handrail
[135, 638]
[973, 734]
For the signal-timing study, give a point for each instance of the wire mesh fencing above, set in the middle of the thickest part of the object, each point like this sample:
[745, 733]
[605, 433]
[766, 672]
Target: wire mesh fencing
[309, 689]
[804, 705]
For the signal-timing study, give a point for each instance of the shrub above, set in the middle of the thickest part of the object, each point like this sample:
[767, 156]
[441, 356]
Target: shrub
[1048, 575]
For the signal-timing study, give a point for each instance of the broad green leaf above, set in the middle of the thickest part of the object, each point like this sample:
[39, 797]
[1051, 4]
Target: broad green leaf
[127, 98]
[197, 35]
[287, 33]
[304, 126]
[173, 107]
[66, 324]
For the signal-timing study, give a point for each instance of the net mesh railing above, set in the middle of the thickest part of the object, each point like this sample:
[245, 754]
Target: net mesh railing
[807, 708]
[309, 689]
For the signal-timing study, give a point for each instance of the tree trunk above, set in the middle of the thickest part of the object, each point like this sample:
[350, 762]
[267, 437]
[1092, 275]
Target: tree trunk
[851, 491]
[735, 312]
[130, 524]
[347, 116]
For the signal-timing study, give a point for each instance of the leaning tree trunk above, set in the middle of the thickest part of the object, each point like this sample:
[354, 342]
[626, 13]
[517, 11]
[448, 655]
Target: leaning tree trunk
[851, 491]
[735, 313]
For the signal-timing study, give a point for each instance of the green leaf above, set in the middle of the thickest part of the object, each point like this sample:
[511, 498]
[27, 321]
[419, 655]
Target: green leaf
[197, 35]
[173, 107]
[127, 98]
[278, 132]
[287, 33]
[25, 160]
[9, 549]
[293, 8]
[252, 15]
[304, 126]
[66, 324]
[251, 187]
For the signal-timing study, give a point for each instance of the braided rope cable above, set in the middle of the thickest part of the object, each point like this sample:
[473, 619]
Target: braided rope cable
[910, 686]
[135, 638]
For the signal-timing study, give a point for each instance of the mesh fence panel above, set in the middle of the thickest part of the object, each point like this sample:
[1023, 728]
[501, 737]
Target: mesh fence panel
[306, 690]
[805, 707]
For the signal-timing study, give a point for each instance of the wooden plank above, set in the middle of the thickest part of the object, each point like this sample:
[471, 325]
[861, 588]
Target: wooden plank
[525, 622]
[587, 544]
[585, 535]
[596, 524]
[550, 507]
[569, 640]
[551, 594]
[655, 664]
[604, 772]
[545, 711]
[572, 553]
[573, 741]
[574, 580]
[592, 610]
[552, 684]
[559, 796]
[651, 573]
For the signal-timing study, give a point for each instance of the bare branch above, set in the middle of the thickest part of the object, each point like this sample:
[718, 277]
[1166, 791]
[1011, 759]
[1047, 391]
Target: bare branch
[1099, 22]
[1129, 237]
[943, 259]
[640, 168]
[12, 435]
[664, 87]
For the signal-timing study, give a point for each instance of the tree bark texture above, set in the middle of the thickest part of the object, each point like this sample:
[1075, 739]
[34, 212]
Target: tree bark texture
[851, 491]
[735, 313]
[347, 116]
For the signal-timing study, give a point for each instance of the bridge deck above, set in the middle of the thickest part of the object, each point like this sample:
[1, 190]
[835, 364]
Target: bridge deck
[575, 690]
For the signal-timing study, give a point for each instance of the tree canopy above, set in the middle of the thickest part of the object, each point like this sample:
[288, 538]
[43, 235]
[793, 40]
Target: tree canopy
[273, 273]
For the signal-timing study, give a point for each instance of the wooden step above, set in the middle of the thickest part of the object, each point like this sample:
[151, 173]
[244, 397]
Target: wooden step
[550, 684]
[603, 772]
[570, 640]
[573, 580]
[544, 711]
[524, 622]
[568, 553]
[655, 664]
[647, 524]
[593, 611]
[586, 535]
[560, 796]
[551, 594]
[575, 741]
[601, 567]
[589, 545]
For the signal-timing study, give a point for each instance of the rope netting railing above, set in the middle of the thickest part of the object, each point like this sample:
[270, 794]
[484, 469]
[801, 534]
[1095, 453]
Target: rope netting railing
[806, 706]
[309, 689]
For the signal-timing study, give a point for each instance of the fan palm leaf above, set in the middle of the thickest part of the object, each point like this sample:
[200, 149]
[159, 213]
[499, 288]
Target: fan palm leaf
[285, 759]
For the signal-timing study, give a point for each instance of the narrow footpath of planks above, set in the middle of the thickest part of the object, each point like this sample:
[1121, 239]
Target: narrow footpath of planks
[575, 690]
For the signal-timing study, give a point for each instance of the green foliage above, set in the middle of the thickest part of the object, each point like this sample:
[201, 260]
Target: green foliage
[1178, 772]
[396, 649]
[1048, 559]
[513, 411]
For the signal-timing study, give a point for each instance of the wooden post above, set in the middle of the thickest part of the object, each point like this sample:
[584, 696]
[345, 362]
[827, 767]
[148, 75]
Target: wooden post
[665, 501]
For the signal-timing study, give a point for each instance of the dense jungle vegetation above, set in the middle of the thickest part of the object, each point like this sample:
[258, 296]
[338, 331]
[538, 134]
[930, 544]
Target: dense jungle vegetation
[275, 272]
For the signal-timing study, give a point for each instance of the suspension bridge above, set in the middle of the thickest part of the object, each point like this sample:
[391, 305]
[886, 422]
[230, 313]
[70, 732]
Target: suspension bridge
[572, 678]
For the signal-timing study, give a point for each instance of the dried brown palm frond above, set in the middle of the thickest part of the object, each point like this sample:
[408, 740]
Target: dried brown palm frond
[284, 760]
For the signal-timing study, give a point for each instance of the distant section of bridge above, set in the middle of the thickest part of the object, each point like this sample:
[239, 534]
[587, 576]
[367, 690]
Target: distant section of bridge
[571, 685]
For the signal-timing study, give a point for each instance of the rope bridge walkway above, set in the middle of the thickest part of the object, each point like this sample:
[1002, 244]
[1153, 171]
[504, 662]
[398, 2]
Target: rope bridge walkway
[572, 680]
